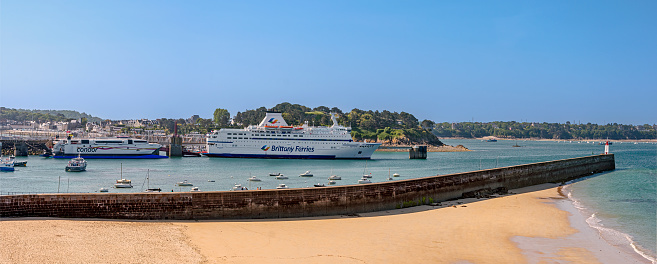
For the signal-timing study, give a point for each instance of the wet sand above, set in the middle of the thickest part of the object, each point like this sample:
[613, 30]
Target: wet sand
[532, 227]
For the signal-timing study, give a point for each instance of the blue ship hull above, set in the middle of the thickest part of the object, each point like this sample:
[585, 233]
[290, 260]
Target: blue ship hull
[225, 155]
[150, 156]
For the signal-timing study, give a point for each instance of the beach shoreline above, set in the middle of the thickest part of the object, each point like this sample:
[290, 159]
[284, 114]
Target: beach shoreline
[531, 225]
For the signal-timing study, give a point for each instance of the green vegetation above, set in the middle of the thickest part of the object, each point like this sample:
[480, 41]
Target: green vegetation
[385, 126]
[514, 129]
[221, 116]
[66, 114]
[27, 115]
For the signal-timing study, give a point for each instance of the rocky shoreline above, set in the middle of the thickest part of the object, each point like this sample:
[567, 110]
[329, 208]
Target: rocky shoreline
[404, 148]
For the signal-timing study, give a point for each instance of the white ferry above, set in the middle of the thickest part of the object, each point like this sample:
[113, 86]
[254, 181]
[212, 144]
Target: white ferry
[273, 138]
[106, 148]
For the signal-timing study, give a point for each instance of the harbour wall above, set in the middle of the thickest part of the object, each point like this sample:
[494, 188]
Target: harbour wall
[304, 202]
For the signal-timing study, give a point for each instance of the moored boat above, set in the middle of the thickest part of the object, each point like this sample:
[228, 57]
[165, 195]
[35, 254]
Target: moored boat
[123, 183]
[281, 177]
[6, 164]
[306, 174]
[364, 180]
[76, 164]
[106, 148]
[184, 183]
[273, 138]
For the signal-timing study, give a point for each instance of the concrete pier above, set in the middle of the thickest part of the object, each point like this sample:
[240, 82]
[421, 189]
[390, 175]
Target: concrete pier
[301, 202]
[418, 152]
[175, 147]
[20, 149]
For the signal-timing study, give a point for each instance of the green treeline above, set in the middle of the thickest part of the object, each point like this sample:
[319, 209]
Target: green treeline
[44, 115]
[514, 129]
[22, 115]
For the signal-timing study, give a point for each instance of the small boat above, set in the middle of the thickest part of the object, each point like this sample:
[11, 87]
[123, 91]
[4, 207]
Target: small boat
[253, 178]
[184, 183]
[195, 189]
[306, 174]
[282, 186]
[395, 175]
[364, 180]
[210, 180]
[77, 164]
[367, 175]
[153, 190]
[319, 185]
[20, 163]
[491, 140]
[334, 177]
[237, 187]
[274, 174]
[103, 190]
[281, 177]
[6, 164]
[331, 182]
[123, 183]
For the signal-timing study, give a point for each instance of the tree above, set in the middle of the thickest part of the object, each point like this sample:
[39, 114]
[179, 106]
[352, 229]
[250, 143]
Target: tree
[427, 124]
[221, 116]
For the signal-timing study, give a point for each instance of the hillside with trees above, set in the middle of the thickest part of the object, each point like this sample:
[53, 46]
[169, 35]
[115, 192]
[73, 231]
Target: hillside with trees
[514, 129]
[385, 127]
[44, 114]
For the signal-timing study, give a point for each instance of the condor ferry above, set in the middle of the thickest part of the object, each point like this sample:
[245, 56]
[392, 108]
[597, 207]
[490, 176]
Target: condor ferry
[106, 148]
[274, 138]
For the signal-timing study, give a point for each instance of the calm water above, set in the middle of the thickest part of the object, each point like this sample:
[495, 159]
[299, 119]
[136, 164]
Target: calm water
[622, 200]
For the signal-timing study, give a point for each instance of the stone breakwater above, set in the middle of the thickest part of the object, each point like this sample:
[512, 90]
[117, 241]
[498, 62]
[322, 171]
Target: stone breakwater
[304, 202]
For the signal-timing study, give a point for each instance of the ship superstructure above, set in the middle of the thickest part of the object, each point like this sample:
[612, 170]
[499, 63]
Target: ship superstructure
[274, 138]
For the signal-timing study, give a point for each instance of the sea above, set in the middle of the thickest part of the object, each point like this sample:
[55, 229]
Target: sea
[621, 204]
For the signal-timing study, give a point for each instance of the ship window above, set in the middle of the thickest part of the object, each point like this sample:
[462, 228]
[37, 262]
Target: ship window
[230, 133]
[85, 141]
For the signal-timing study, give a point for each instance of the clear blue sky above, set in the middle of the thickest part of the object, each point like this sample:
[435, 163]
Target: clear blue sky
[553, 61]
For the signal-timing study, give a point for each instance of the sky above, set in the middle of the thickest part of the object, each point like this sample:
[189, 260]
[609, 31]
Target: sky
[446, 61]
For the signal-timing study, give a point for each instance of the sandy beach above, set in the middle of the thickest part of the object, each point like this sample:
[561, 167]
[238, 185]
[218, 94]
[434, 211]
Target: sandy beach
[532, 226]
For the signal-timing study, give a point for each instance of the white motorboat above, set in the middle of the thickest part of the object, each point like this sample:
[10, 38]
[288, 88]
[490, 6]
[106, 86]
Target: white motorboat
[282, 186]
[184, 183]
[275, 174]
[195, 189]
[237, 187]
[319, 185]
[395, 175]
[331, 182]
[334, 177]
[77, 164]
[364, 180]
[306, 174]
[281, 177]
[123, 183]
[367, 175]
[103, 190]
[253, 178]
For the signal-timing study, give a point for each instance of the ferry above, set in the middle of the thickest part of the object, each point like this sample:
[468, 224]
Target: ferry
[106, 148]
[273, 138]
